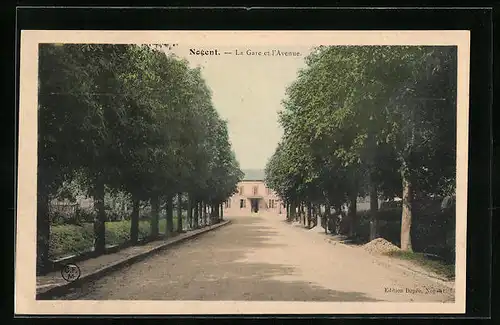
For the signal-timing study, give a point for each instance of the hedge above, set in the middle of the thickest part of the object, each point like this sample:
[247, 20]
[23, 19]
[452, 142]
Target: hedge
[432, 231]
[68, 239]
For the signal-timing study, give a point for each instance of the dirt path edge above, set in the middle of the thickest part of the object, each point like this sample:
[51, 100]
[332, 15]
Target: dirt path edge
[60, 289]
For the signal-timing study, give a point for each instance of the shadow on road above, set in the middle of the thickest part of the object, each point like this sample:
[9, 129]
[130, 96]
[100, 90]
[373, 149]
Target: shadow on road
[215, 266]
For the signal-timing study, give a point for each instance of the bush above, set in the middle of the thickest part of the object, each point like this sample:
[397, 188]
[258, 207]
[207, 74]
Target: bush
[387, 205]
[432, 229]
[117, 205]
[117, 232]
[85, 215]
[68, 239]
[57, 219]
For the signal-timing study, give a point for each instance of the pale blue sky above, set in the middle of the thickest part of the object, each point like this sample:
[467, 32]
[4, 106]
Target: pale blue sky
[247, 92]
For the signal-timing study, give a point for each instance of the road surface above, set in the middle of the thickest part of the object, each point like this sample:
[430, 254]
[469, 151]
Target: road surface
[261, 258]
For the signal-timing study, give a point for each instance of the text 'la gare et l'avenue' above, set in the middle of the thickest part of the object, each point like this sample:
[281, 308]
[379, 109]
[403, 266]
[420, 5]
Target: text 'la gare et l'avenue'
[248, 52]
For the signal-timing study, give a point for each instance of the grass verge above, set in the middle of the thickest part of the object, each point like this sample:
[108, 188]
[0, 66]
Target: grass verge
[68, 240]
[439, 267]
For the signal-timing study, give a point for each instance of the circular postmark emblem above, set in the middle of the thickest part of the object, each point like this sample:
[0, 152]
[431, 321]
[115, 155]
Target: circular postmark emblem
[70, 272]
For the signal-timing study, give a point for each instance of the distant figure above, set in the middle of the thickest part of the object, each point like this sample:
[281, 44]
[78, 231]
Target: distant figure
[338, 223]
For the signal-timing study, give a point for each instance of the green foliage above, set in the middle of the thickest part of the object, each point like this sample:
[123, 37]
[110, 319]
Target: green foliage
[444, 269]
[132, 119]
[363, 117]
[69, 240]
[116, 204]
[140, 119]
[357, 111]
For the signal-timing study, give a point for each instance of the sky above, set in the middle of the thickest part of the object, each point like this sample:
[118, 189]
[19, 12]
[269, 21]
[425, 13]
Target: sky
[247, 92]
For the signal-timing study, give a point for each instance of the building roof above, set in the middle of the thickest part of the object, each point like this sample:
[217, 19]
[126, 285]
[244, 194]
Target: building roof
[253, 174]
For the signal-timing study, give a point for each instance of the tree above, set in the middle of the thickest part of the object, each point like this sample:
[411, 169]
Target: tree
[128, 118]
[355, 117]
[74, 111]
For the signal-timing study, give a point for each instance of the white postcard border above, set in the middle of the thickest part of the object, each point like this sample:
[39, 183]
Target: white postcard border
[25, 260]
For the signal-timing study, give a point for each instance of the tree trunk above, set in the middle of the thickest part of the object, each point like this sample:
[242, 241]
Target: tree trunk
[210, 213]
[155, 210]
[406, 216]
[318, 214]
[328, 209]
[353, 213]
[292, 211]
[314, 213]
[134, 221]
[43, 232]
[373, 212]
[304, 215]
[169, 216]
[196, 214]
[200, 214]
[190, 211]
[309, 214]
[100, 220]
[299, 214]
[179, 212]
[205, 214]
[221, 212]
[215, 213]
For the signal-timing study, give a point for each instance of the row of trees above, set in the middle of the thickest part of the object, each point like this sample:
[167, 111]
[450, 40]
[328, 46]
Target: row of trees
[133, 119]
[368, 120]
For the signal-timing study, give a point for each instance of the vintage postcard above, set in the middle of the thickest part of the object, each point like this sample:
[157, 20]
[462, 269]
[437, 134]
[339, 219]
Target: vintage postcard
[242, 172]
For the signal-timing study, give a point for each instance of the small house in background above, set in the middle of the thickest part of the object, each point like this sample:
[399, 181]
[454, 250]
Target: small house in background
[253, 196]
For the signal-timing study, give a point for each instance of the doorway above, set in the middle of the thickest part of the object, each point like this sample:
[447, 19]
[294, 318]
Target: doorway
[254, 205]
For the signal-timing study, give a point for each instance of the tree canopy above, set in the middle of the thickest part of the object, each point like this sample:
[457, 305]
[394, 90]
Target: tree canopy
[368, 119]
[132, 118]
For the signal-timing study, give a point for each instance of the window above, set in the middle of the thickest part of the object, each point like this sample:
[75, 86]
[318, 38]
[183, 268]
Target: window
[241, 190]
[243, 203]
[272, 204]
[255, 190]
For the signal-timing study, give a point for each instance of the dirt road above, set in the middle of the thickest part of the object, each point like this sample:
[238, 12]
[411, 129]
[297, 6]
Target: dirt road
[262, 258]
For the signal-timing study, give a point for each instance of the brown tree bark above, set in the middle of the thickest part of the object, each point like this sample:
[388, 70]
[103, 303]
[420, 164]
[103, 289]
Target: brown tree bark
[43, 232]
[100, 220]
[215, 213]
[373, 212]
[134, 221]
[309, 214]
[205, 215]
[169, 216]
[155, 210]
[328, 212]
[291, 213]
[407, 213]
[190, 211]
[179, 213]
[353, 213]
[196, 214]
